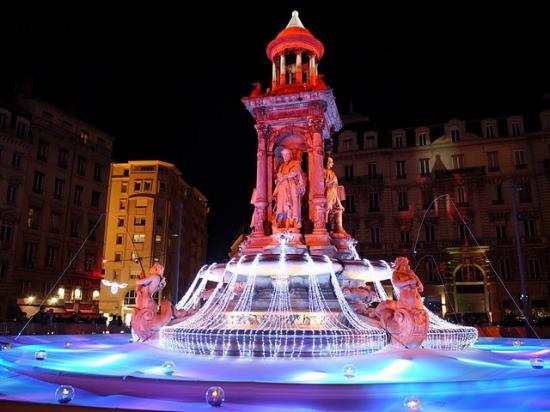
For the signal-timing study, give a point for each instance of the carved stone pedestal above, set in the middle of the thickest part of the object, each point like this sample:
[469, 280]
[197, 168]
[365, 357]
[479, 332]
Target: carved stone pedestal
[319, 244]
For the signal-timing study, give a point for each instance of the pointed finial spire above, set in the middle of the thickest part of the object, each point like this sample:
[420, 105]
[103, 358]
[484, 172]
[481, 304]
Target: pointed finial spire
[295, 21]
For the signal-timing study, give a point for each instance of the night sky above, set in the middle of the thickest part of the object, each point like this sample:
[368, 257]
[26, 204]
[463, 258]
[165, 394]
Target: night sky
[167, 80]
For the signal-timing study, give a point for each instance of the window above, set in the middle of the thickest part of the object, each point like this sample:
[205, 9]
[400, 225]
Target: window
[124, 187]
[501, 231]
[427, 198]
[29, 255]
[84, 136]
[119, 238]
[120, 222]
[529, 227]
[534, 269]
[139, 237]
[91, 229]
[455, 135]
[405, 236]
[72, 258]
[118, 257]
[375, 235]
[399, 141]
[75, 227]
[21, 129]
[350, 204]
[58, 189]
[122, 204]
[81, 166]
[17, 159]
[42, 153]
[461, 197]
[346, 145]
[492, 160]
[11, 196]
[348, 172]
[371, 170]
[38, 182]
[139, 221]
[463, 232]
[33, 218]
[373, 202]
[140, 203]
[3, 119]
[490, 130]
[147, 185]
[430, 233]
[3, 263]
[400, 169]
[159, 221]
[458, 161]
[498, 200]
[51, 255]
[371, 142]
[424, 167]
[516, 129]
[137, 186]
[519, 159]
[403, 200]
[55, 222]
[62, 158]
[162, 187]
[130, 298]
[158, 238]
[95, 199]
[422, 139]
[98, 167]
[77, 199]
[525, 192]
[89, 262]
[5, 233]
[505, 268]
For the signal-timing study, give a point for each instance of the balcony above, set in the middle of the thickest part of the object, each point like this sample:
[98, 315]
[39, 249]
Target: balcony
[466, 171]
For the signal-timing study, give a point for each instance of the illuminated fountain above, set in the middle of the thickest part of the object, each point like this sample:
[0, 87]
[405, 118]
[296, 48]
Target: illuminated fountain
[292, 291]
[297, 290]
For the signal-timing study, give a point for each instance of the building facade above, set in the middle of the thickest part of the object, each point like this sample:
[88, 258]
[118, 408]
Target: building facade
[151, 212]
[53, 190]
[444, 195]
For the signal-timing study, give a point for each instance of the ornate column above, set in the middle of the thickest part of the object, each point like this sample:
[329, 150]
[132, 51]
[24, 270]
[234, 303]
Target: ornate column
[312, 70]
[298, 67]
[274, 75]
[260, 201]
[282, 71]
[317, 177]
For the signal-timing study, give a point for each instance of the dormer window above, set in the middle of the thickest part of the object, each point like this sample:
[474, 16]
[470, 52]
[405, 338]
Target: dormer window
[371, 140]
[489, 128]
[422, 137]
[455, 130]
[515, 126]
[455, 135]
[544, 120]
[399, 139]
[84, 136]
[346, 145]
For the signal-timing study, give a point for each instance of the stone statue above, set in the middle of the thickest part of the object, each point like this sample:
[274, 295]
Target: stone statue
[257, 91]
[147, 318]
[289, 189]
[334, 204]
[406, 319]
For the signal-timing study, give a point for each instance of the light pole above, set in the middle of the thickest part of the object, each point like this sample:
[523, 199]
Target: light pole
[176, 284]
[524, 297]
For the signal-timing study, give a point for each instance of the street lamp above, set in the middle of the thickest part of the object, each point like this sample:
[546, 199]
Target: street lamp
[524, 297]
